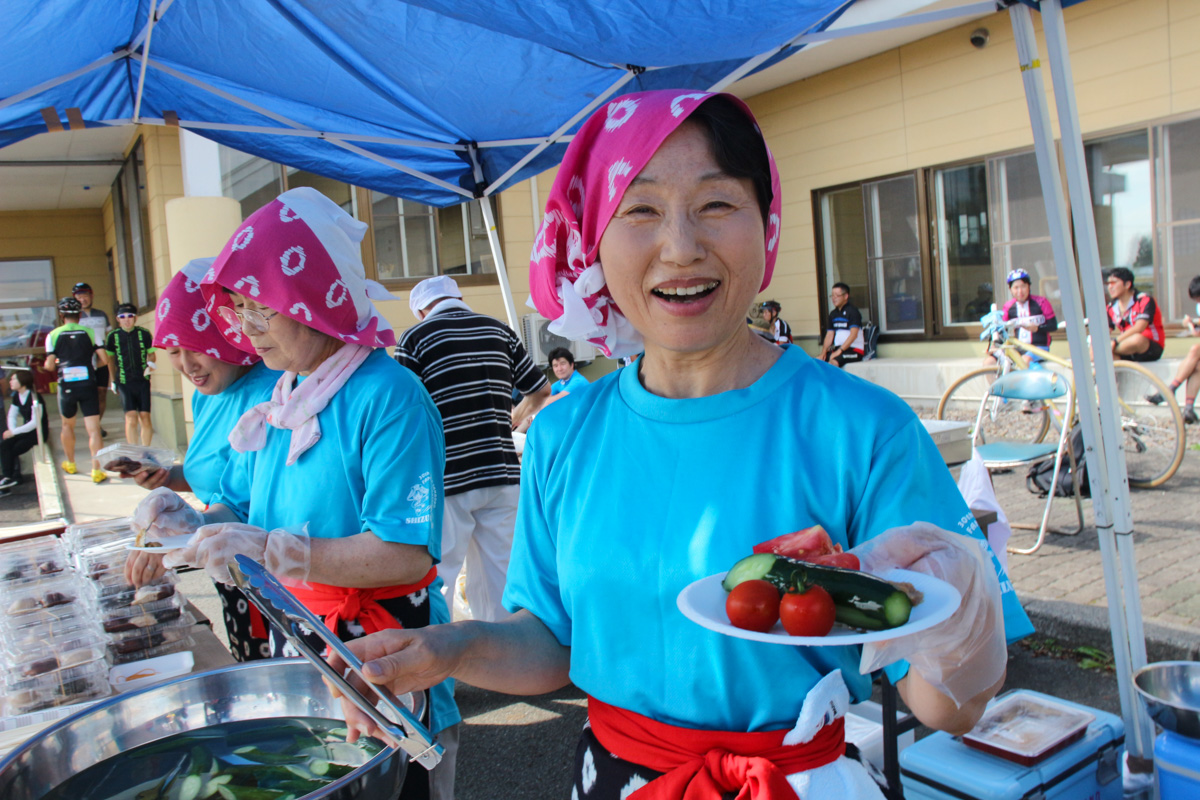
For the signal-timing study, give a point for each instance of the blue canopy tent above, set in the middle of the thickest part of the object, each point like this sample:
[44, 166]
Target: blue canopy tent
[441, 101]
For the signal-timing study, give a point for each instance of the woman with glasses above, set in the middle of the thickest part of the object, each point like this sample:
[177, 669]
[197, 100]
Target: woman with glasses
[227, 381]
[338, 489]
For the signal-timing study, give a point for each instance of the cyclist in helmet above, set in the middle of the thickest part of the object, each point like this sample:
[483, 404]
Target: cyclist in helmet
[98, 321]
[781, 332]
[70, 349]
[1033, 313]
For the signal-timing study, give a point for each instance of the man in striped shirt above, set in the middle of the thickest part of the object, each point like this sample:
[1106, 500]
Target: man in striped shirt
[470, 364]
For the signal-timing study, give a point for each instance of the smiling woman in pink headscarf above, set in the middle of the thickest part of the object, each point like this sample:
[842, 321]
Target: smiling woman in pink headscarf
[338, 488]
[662, 227]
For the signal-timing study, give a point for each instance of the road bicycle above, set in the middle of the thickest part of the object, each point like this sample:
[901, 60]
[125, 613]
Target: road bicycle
[1153, 435]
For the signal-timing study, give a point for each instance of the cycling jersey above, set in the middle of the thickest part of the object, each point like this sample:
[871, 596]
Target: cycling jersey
[1141, 307]
[844, 320]
[73, 345]
[130, 349]
[781, 332]
[1035, 311]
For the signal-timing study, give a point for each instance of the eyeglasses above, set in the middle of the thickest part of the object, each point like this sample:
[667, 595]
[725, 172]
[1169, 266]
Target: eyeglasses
[256, 321]
[126, 316]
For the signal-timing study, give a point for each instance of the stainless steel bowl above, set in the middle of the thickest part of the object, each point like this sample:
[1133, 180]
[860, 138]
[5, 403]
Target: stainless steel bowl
[257, 690]
[1171, 691]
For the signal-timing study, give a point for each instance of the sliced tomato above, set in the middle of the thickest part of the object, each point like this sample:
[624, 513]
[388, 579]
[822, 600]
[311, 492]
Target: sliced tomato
[843, 560]
[802, 545]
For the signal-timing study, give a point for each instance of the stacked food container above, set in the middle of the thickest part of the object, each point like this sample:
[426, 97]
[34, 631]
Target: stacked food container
[54, 651]
[137, 623]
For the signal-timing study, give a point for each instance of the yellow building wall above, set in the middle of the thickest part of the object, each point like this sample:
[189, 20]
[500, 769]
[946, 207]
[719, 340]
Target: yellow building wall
[72, 239]
[941, 100]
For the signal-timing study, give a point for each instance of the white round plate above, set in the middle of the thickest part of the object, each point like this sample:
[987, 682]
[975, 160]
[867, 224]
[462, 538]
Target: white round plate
[169, 543]
[703, 602]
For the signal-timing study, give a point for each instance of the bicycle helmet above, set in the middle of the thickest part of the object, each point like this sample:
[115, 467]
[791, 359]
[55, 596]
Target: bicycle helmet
[80, 287]
[69, 305]
[771, 304]
[1017, 274]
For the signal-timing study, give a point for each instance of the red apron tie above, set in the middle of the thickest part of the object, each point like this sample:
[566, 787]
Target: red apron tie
[338, 603]
[704, 765]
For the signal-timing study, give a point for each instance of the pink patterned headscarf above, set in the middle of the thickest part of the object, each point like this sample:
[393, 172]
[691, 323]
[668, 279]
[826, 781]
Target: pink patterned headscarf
[299, 255]
[180, 320]
[566, 281]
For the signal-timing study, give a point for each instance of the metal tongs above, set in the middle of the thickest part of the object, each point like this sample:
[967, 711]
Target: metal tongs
[293, 620]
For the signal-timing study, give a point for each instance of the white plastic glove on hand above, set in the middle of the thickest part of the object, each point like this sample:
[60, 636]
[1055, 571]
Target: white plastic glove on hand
[164, 513]
[967, 653]
[213, 547]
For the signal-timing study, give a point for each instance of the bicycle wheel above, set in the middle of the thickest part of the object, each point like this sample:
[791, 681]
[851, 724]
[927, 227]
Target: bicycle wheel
[1153, 434]
[1002, 419]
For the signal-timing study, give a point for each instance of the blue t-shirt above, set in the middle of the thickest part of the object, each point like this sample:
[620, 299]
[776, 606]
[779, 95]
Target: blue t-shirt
[377, 467]
[695, 495]
[571, 384]
[209, 451]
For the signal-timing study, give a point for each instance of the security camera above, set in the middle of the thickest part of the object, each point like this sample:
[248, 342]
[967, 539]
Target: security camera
[979, 37]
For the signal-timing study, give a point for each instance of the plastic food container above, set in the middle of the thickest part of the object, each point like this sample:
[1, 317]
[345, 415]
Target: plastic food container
[1027, 728]
[131, 459]
[26, 560]
[81, 538]
[136, 674]
[60, 687]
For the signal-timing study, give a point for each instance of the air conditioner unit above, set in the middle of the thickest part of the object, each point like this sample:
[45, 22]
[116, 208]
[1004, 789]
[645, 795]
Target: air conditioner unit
[539, 341]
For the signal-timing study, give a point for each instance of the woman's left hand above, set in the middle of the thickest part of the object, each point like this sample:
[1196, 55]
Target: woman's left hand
[967, 654]
[213, 548]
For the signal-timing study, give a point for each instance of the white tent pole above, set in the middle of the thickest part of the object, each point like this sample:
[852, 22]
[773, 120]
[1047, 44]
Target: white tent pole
[1137, 723]
[489, 221]
[834, 32]
[306, 133]
[566, 126]
[64, 78]
[335, 142]
[144, 33]
[137, 103]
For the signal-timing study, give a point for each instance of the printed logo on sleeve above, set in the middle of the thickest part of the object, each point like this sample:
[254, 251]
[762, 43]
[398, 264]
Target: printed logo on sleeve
[422, 496]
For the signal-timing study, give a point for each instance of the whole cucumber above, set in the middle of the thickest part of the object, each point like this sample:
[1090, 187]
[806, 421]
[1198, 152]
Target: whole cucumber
[862, 600]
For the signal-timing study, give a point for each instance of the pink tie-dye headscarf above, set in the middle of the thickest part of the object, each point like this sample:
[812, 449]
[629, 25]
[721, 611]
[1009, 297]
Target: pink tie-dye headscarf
[299, 255]
[566, 282]
[180, 320]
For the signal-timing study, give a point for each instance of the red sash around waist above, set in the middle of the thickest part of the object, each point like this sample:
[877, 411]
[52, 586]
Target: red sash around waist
[338, 603]
[704, 765]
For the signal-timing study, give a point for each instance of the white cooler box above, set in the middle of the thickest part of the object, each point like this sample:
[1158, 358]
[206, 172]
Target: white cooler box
[953, 439]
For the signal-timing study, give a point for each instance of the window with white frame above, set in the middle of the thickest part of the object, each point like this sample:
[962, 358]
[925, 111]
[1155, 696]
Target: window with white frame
[1177, 228]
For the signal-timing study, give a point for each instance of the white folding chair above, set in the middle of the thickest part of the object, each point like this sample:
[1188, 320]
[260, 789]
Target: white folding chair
[1032, 385]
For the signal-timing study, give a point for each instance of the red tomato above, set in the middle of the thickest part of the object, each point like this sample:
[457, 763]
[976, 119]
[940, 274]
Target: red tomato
[843, 560]
[802, 545]
[753, 605]
[807, 613]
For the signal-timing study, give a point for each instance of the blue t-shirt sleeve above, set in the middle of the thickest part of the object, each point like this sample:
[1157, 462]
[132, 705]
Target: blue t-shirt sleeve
[533, 582]
[908, 482]
[402, 464]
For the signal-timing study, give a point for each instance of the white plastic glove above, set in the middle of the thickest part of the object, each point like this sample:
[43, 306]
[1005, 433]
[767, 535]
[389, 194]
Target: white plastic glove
[213, 548]
[967, 653]
[164, 513]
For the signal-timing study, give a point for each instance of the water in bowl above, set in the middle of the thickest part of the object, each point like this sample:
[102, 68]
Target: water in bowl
[265, 759]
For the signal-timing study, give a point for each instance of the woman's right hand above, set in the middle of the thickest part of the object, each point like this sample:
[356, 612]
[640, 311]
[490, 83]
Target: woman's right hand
[164, 513]
[142, 568]
[404, 660]
[152, 480]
